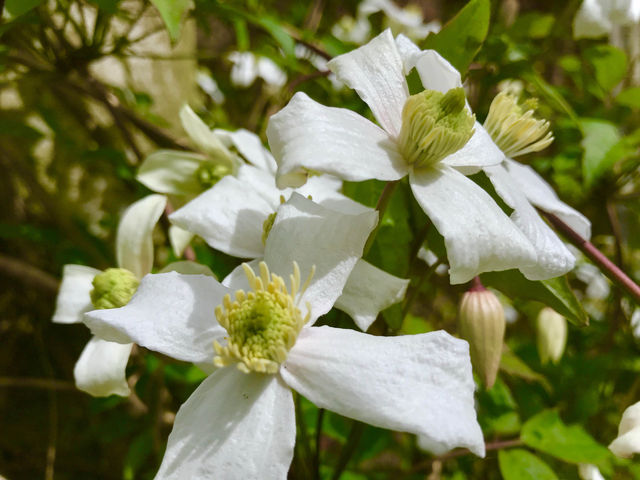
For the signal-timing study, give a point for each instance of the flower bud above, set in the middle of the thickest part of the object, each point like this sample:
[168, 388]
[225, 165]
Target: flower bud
[482, 324]
[552, 335]
[628, 441]
[113, 288]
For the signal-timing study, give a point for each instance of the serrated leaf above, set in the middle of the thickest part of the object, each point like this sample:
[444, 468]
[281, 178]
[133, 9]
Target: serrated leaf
[518, 464]
[600, 136]
[172, 13]
[554, 293]
[547, 433]
[460, 39]
[609, 64]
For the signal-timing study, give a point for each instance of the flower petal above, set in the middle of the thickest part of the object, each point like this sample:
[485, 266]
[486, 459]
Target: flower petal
[627, 444]
[251, 148]
[436, 73]
[170, 313]
[235, 426]
[205, 140]
[554, 259]
[229, 216]
[478, 236]
[409, 52]
[368, 291]
[540, 194]
[74, 295]
[420, 384]
[478, 152]
[375, 72]
[134, 242]
[100, 370]
[172, 172]
[308, 136]
[323, 189]
[310, 234]
[179, 239]
[591, 21]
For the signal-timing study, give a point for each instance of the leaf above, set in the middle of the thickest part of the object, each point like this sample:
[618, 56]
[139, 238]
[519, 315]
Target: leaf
[629, 98]
[609, 64]
[554, 293]
[109, 6]
[461, 37]
[513, 365]
[15, 8]
[518, 464]
[172, 12]
[547, 433]
[600, 136]
[279, 34]
[532, 25]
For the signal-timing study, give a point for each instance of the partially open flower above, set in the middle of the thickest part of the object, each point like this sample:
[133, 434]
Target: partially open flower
[628, 441]
[552, 335]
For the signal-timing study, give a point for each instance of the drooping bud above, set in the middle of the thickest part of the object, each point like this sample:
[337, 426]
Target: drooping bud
[627, 443]
[551, 328]
[514, 128]
[434, 125]
[210, 173]
[113, 288]
[482, 324]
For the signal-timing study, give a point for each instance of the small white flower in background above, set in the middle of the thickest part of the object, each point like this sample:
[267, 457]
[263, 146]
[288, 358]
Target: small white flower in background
[239, 423]
[247, 67]
[627, 442]
[430, 258]
[319, 62]
[551, 335]
[209, 85]
[235, 215]
[588, 471]
[100, 370]
[635, 323]
[596, 18]
[413, 141]
[352, 30]
[407, 20]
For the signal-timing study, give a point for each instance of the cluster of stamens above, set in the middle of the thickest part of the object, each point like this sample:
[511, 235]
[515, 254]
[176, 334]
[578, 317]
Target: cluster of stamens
[514, 128]
[209, 174]
[262, 324]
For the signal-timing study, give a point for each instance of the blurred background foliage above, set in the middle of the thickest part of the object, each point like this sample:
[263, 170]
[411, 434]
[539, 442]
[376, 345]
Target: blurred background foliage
[89, 88]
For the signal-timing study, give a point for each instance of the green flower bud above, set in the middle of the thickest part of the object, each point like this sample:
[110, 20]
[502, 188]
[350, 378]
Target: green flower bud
[113, 288]
[209, 174]
[551, 329]
[482, 324]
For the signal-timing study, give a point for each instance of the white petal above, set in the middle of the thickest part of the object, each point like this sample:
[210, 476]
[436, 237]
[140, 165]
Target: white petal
[74, 295]
[554, 259]
[479, 151]
[478, 236]
[313, 235]
[627, 444]
[437, 73]
[375, 72]
[409, 52]
[250, 147]
[171, 172]
[134, 242]
[419, 384]
[308, 136]
[100, 370]
[229, 216]
[205, 140]
[235, 426]
[588, 471]
[368, 291]
[237, 279]
[540, 194]
[591, 21]
[244, 70]
[170, 313]
[322, 189]
[179, 239]
[187, 267]
[270, 72]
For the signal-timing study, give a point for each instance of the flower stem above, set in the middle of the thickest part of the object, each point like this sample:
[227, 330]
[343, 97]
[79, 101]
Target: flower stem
[316, 457]
[350, 446]
[610, 269]
[381, 207]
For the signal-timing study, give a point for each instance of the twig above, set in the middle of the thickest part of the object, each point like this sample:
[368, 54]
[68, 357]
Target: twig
[28, 274]
[41, 383]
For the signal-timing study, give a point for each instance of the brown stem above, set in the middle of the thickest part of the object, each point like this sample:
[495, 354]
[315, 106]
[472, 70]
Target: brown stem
[28, 274]
[609, 268]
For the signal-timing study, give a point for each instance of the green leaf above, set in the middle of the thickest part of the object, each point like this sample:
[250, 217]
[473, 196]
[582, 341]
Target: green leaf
[172, 13]
[15, 8]
[600, 136]
[547, 433]
[609, 64]
[461, 37]
[279, 34]
[532, 25]
[513, 365]
[109, 6]
[518, 464]
[629, 98]
[554, 293]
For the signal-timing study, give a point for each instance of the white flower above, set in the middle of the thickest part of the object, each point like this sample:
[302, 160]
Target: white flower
[596, 18]
[100, 370]
[628, 441]
[305, 136]
[248, 66]
[349, 29]
[588, 471]
[407, 20]
[209, 85]
[239, 423]
[233, 216]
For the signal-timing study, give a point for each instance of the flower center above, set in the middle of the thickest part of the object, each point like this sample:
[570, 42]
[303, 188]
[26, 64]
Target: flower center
[209, 174]
[113, 288]
[514, 128]
[434, 125]
[263, 324]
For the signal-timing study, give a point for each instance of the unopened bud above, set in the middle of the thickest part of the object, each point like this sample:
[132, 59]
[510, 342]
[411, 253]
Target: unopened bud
[628, 441]
[113, 288]
[552, 335]
[482, 324]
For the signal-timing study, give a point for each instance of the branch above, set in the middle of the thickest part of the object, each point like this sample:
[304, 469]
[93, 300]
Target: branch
[28, 274]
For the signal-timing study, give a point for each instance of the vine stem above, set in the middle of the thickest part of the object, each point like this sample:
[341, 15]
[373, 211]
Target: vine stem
[610, 269]
[381, 207]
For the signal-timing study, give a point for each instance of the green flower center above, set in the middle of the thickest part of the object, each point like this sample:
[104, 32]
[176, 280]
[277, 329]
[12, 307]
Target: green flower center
[262, 324]
[514, 128]
[209, 174]
[113, 288]
[434, 125]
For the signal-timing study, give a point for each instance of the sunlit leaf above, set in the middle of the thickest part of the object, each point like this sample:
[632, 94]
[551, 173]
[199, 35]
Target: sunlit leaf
[518, 464]
[172, 13]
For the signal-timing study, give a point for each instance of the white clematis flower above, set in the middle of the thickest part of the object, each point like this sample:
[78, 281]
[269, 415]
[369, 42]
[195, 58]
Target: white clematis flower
[248, 66]
[627, 443]
[413, 141]
[239, 423]
[596, 18]
[407, 20]
[100, 370]
[235, 215]
[589, 471]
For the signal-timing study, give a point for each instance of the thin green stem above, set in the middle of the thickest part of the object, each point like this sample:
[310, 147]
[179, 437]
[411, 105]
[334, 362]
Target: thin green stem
[426, 274]
[350, 446]
[316, 457]
[381, 207]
